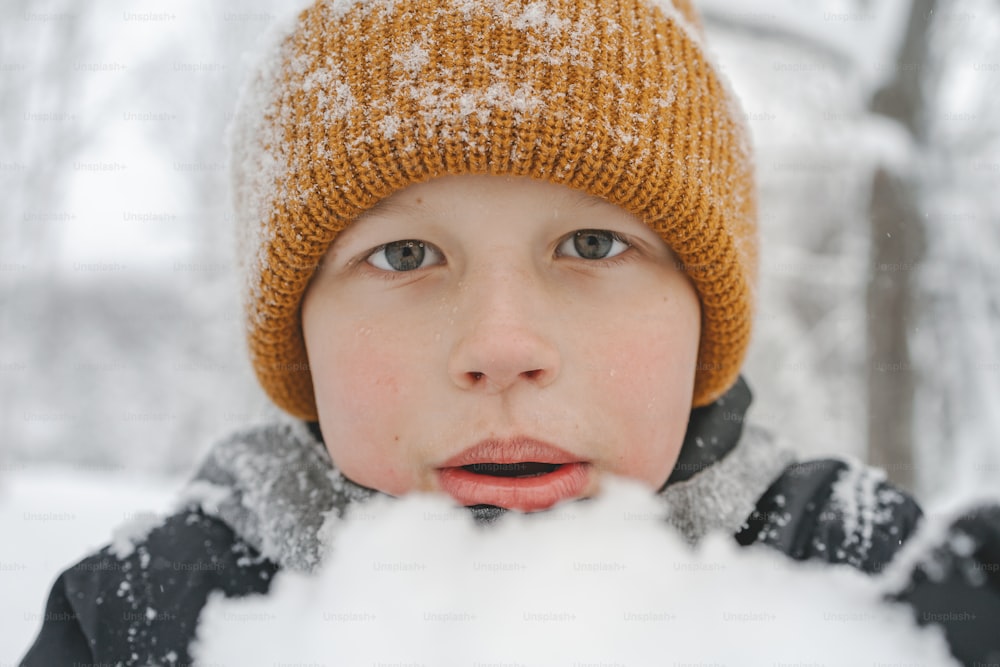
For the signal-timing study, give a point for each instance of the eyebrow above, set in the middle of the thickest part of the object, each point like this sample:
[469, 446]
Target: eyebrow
[382, 206]
[386, 206]
[587, 200]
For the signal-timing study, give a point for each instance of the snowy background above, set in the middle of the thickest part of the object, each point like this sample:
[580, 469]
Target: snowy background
[877, 128]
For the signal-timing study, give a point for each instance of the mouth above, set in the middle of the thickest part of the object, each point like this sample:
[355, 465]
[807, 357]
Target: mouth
[519, 474]
[519, 470]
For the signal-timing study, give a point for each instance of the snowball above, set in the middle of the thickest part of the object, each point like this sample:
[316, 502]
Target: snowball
[603, 581]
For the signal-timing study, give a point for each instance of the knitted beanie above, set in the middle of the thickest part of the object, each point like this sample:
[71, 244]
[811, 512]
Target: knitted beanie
[612, 97]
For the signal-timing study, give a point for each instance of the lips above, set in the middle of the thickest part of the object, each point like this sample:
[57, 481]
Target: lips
[519, 474]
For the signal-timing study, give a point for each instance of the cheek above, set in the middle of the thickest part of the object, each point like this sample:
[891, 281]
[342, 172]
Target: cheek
[646, 388]
[352, 383]
[357, 382]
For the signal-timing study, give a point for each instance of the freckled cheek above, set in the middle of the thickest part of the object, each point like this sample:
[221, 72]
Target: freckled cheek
[363, 409]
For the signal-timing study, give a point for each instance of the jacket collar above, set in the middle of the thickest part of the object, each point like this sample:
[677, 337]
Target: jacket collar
[713, 431]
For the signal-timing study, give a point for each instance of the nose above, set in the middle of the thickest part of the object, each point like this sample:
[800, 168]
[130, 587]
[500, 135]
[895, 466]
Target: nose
[501, 317]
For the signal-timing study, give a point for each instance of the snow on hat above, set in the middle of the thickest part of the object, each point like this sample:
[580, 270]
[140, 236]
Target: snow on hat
[616, 98]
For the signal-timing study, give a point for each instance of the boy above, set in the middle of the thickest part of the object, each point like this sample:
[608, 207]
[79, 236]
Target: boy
[495, 249]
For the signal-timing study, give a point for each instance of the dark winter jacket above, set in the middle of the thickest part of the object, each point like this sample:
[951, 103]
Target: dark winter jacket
[258, 502]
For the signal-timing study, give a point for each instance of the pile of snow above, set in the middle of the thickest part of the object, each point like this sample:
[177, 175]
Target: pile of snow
[603, 582]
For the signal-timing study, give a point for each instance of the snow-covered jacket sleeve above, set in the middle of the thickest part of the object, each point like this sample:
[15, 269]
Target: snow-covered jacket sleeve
[142, 607]
[838, 511]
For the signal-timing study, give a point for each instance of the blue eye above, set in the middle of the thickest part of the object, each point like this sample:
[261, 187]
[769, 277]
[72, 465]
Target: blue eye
[403, 255]
[593, 244]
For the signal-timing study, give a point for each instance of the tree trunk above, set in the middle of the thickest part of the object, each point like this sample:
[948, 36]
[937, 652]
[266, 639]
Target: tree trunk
[897, 248]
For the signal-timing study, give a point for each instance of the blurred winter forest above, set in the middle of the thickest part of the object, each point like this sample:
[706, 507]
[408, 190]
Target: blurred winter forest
[877, 131]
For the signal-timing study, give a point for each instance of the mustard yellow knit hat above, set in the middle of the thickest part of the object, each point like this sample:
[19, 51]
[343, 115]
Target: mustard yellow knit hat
[361, 98]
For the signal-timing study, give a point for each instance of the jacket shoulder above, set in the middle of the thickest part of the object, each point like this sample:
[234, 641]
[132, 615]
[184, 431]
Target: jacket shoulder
[834, 510]
[139, 604]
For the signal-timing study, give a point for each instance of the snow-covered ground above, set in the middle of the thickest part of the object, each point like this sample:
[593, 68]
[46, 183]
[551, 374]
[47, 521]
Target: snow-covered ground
[50, 518]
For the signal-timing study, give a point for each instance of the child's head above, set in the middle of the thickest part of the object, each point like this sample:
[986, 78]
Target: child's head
[495, 220]
[475, 307]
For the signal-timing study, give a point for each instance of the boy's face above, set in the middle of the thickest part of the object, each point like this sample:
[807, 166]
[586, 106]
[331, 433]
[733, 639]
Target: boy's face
[467, 311]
